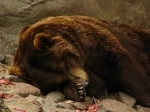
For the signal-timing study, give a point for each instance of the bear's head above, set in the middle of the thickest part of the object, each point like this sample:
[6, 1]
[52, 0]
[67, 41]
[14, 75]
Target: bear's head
[44, 54]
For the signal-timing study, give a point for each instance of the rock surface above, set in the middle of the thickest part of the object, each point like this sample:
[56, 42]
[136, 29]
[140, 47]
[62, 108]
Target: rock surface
[129, 100]
[22, 104]
[19, 88]
[142, 109]
[115, 106]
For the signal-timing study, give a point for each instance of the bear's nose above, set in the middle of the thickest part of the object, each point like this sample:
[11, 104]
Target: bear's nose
[86, 83]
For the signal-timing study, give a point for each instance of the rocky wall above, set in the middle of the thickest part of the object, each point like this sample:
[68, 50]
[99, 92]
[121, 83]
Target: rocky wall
[15, 14]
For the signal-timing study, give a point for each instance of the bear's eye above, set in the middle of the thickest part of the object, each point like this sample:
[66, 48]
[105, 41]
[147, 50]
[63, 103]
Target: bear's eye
[59, 67]
[53, 65]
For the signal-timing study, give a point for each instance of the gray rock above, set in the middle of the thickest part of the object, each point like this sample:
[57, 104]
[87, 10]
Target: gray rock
[21, 89]
[55, 97]
[36, 99]
[22, 104]
[1, 58]
[65, 105]
[8, 59]
[115, 106]
[142, 109]
[54, 109]
[3, 108]
[3, 70]
[129, 100]
[14, 78]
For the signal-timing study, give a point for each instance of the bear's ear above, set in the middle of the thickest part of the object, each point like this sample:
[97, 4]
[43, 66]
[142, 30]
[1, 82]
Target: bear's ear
[62, 48]
[41, 41]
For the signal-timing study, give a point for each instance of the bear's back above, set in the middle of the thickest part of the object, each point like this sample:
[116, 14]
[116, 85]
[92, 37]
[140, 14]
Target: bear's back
[88, 34]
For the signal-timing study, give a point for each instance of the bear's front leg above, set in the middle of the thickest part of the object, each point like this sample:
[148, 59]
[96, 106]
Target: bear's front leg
[75, 88]
[19, 71]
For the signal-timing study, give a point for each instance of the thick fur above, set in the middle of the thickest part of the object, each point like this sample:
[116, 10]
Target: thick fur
[64, 51]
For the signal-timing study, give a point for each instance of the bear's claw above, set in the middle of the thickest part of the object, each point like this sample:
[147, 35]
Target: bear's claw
[81, 91]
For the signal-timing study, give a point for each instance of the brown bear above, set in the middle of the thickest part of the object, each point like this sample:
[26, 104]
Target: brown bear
[82, 56]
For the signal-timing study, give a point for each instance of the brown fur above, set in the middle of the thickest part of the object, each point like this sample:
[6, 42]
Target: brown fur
[66, 50]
